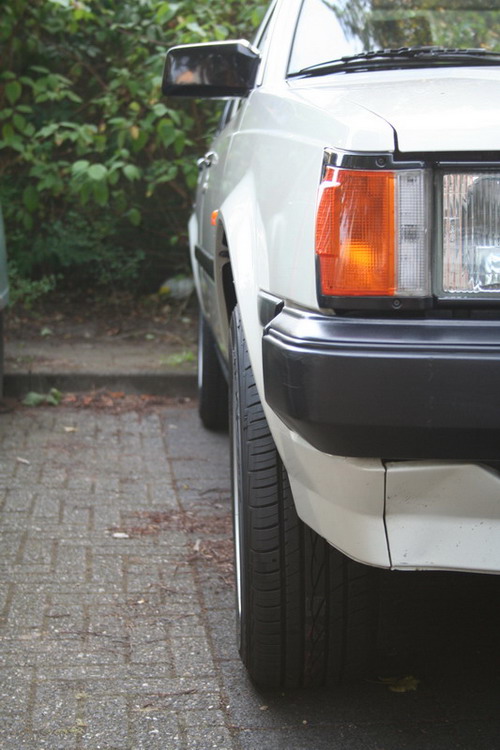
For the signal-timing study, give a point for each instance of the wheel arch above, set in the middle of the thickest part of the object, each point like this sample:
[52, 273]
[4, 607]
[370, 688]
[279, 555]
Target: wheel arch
[241, 266]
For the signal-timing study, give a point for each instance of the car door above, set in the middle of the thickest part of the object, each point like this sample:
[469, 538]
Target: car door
[208, 199]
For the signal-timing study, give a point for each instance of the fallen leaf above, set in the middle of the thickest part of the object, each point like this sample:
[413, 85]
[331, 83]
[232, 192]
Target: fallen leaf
[34, 399]
[54, 397]
[401, 684]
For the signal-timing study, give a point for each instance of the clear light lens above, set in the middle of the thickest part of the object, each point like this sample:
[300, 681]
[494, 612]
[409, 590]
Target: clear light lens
[413, 274]
[471, 234]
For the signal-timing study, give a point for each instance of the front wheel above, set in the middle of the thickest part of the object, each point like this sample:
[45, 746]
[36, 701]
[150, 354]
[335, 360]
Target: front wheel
[306, 612]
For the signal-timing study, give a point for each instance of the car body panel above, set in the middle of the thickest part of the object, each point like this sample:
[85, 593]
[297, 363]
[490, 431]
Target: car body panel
[342, 499]
[430, 111]
[443, 515]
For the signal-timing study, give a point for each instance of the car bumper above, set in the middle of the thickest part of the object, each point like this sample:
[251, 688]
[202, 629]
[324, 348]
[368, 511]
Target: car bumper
[392, 389]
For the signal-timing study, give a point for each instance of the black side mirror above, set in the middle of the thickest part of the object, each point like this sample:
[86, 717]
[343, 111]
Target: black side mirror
[212, 69]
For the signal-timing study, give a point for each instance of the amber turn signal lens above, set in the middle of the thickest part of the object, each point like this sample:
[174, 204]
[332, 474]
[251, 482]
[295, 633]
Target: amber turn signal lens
[355, 233]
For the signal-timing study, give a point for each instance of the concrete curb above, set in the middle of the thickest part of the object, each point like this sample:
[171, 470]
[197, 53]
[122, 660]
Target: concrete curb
[154, 384]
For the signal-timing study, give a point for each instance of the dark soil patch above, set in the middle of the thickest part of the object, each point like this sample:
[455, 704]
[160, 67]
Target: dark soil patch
[118, 402]
[112, 402]
[80, 317]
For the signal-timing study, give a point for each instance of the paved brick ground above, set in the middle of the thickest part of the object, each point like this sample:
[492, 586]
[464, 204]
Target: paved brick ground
[107, 521]
[116, 607]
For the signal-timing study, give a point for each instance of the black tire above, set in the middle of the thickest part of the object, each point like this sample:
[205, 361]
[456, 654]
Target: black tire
[306, 612]
[212, 385]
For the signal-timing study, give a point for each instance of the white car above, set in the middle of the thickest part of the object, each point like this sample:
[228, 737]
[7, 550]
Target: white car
[346, 252]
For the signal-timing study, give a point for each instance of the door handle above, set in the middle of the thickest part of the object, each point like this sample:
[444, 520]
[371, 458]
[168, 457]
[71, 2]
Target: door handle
[206, 161]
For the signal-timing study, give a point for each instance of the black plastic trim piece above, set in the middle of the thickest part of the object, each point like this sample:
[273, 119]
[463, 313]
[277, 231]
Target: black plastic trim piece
[269, 306]
[393, 304]
[376, 161]
[385, 388]
[205, 261]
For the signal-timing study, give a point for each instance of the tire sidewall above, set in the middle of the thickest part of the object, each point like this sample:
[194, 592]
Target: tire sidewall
[238, 472]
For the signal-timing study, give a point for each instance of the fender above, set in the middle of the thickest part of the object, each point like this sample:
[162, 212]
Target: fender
[240, 233]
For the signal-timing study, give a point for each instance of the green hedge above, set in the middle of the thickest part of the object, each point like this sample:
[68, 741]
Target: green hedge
[97, 168]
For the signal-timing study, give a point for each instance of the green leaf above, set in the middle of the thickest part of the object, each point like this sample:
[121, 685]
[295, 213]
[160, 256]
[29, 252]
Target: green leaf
[80, 166]
[97, 172]
[7, 132]
[101, 193]
[160, 109]
[34, 399]
[180, 358]
[19, 122]
[13, 91]
[54, 397]
[30, 198]
[131, 172]
[134, 216]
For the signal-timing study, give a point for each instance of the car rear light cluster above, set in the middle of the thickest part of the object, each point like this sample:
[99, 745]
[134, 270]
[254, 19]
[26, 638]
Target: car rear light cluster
[372, 237]
[471, 235]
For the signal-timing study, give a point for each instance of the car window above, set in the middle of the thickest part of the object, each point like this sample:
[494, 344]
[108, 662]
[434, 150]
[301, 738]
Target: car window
[263, 31]
[330, 29]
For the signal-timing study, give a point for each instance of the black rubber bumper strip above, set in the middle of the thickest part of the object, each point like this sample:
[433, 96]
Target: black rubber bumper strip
[405, 389]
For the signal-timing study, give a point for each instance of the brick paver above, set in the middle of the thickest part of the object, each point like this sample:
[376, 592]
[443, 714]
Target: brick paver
[113, 533]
